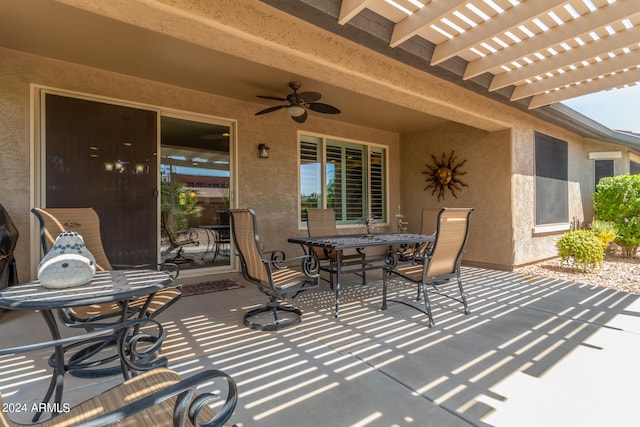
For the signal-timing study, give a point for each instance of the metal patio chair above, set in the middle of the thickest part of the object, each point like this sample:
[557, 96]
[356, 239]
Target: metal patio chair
[85, 221]
[440, 264]
[272, 275]
[428, 226]
[177, 241]
[157, 397]
[322, 222]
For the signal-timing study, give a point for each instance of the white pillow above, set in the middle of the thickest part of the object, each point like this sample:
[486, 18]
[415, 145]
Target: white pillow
[69, 263]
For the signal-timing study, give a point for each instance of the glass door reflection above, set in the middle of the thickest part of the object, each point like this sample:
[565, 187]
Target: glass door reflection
[195, 181]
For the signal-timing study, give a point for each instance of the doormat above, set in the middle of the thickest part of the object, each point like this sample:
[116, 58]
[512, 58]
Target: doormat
[210, 286]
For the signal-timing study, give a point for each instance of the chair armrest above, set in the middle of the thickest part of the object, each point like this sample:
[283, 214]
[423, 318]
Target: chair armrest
[186, 405]
[128, 335]
[286, 260]
[415, 253]
[171, 267]
[165, 266]
[308, 263]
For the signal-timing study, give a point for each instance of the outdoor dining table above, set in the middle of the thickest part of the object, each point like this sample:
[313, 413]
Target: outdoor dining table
[106, 286]
[359, 241]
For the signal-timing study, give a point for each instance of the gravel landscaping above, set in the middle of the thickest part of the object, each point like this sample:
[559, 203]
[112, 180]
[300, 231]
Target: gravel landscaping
[617, 272]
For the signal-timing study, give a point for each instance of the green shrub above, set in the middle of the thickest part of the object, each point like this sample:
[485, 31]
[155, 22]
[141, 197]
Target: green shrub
[581, 248]
[177, 204]
[617, 199]
[605, 231]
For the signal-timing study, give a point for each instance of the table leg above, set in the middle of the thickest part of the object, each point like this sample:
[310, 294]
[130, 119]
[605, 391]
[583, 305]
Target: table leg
[215, 245]
[216, 242]
[57, 378]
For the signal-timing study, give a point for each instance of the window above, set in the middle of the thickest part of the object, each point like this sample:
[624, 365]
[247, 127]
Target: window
[552, 190]
[603, 168]
[346, 176]
[634, 168]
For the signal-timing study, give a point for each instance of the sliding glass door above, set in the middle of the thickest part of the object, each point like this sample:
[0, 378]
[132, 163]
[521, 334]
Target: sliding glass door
[195, 181]
[160, 184]
[103, 156]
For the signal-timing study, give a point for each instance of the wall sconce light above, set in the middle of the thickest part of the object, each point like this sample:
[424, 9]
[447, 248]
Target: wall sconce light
[263, 151]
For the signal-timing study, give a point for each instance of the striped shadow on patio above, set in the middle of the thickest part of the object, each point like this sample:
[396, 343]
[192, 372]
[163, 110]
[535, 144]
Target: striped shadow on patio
[532, 352]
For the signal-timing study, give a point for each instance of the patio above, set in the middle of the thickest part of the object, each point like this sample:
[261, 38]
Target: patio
[534, 351]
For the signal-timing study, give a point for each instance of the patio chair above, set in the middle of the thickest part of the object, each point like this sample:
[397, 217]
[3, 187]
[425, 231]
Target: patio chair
[322, 222]
[272, 275]
[178, 241]
[85, 221]
[440, 264]
[428, 225]
[157, 397]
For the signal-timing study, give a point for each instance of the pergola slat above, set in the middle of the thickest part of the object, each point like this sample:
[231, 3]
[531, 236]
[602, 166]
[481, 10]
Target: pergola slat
[517, 15]
[351, 8]
[583, 53]
[539, 46]
[620, 79]
[424, 17]
[583, 74]
[553, 37]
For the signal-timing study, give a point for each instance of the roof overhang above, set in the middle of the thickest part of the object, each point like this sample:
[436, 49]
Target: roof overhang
[481, 58]
[231, 50]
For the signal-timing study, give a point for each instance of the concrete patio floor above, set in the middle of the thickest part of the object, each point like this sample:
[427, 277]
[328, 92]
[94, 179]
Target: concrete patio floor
[534, 351]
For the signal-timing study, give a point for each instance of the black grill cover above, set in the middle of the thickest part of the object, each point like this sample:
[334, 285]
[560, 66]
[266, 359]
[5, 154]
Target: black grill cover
[8, 240]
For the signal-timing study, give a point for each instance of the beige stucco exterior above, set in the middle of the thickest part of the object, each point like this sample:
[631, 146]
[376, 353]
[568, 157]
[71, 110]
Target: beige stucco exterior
[495, 139]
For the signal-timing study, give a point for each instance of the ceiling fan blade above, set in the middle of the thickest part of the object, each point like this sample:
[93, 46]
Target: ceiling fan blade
[270, 109]
[300, 119]
[322, 108]
[309, 96]
[275, 98]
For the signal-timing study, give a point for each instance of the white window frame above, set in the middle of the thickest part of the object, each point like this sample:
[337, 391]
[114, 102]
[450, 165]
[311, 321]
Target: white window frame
[367, 146]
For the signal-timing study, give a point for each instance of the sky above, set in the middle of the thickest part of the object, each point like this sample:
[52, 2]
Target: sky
[617, 109]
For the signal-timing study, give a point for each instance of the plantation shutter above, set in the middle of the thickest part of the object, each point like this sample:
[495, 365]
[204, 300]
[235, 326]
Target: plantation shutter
[310, 174]
[377, 184]
[335, 182]
[354, 183]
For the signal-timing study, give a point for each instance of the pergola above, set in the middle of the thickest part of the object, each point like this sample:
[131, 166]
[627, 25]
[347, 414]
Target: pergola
[535, 53]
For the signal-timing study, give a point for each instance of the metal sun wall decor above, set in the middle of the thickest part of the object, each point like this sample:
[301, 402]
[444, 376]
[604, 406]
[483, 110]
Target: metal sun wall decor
[444, 174]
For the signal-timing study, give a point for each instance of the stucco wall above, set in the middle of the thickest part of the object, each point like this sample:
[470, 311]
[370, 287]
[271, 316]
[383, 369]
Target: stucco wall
[496, 139]
[267, 185]
[488, 174]
[501, 178]
[499, 164]
[530, 246]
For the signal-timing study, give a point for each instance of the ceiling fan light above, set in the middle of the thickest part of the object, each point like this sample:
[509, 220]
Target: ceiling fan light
[295, 110]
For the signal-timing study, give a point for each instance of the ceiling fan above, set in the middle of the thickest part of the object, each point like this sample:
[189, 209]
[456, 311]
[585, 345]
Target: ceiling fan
[298, 103]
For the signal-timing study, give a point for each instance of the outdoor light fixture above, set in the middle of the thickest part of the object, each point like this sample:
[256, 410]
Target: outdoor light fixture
[263, 151]
[295, 110]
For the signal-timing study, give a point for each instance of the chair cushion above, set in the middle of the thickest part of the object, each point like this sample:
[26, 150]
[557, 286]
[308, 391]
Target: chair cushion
[158, 415]
[160, 300]
[284, 278]
[87, 312]
[411, 272]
